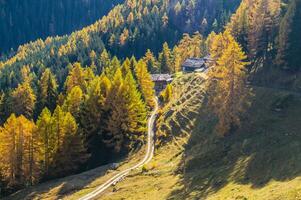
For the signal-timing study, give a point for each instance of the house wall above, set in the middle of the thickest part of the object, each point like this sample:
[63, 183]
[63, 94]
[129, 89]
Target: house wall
[160, 85]
[188, 69]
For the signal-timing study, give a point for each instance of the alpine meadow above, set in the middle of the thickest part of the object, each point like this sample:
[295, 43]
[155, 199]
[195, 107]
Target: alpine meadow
[150, 99]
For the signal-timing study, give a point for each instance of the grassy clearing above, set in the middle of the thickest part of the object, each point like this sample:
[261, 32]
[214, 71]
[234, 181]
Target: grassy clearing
[261, 160]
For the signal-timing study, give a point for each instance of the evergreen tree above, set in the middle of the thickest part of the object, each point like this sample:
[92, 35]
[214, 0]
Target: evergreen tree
[289, 38]
[47, 94]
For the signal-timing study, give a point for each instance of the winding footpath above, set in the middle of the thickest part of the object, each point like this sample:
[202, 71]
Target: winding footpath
[148, 156]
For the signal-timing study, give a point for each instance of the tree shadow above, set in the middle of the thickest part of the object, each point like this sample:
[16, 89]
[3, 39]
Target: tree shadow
[61, 187]
[266, 147]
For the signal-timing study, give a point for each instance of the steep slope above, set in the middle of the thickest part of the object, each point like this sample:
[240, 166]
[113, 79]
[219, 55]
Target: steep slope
[24, 21]
[128, 29]
[261, 160]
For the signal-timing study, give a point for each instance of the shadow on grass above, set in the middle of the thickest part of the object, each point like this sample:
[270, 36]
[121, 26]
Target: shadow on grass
[61, 187]
[266, 147]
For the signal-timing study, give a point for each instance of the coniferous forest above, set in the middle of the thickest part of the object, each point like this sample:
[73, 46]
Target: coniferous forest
[70, 103]
[25, 21]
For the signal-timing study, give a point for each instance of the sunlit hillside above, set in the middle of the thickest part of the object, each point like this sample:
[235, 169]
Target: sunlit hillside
[150, 99]
[261, 160]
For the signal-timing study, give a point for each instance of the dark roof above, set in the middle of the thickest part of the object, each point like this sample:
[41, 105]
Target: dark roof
[161, 77]
[194, 62]
[197, 62]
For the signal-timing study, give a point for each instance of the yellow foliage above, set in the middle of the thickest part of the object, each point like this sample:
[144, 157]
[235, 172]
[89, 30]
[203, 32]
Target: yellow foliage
[18, 155]
[227, 82]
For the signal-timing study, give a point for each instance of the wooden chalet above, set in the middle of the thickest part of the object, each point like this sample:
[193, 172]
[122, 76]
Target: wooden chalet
[161, 81]
[196, 64]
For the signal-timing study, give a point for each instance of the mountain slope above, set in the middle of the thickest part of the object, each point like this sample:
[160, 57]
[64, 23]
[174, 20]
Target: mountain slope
[28, 20]
[128, 29]
[261, 160]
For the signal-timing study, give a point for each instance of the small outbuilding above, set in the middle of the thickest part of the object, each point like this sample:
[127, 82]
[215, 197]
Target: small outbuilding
[196, 64]
[161, 81]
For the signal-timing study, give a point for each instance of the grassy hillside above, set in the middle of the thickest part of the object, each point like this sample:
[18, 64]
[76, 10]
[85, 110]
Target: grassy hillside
[262, 160]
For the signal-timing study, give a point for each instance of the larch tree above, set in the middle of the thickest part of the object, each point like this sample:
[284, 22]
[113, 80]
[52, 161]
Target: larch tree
[74, 101]
[72, 151]
[197, 46]
[255, 26]
[219, 43]
[18, 153]
[150, 60]
[23, 100]
[92, 116]
[116, 122]
[57, 127]
[227, 85]
[111, 69]
[146, 85]
[104, 61]
[91, 111]
[62, 148]
[126, 66]
[136, 110]
[166, 94]
[133, 63]
[165, 59]
[76, 77]
[177, 59]
[126, 124]
[47, 141]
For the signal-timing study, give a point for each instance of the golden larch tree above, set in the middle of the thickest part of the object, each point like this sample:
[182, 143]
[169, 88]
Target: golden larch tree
[146, 85]
[227, 83]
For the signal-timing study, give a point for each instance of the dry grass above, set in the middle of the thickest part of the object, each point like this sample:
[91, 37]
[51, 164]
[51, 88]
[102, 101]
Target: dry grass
[260, 161]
